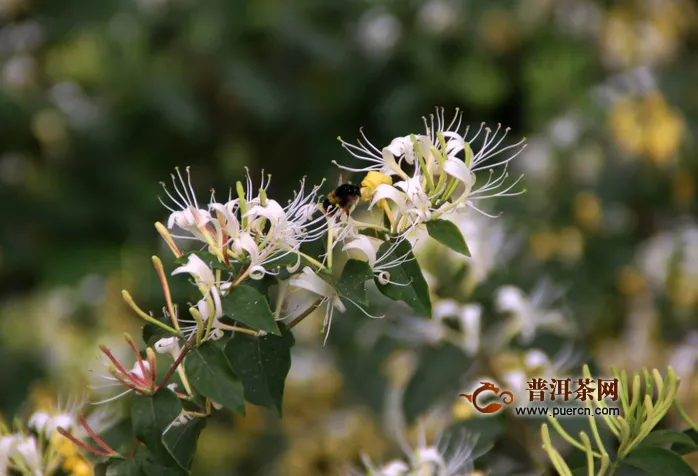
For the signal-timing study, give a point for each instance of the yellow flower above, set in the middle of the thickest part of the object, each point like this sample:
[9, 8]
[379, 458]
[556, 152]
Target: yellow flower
[543, 245]
[588, 210]
[372, 180]
[630, 281]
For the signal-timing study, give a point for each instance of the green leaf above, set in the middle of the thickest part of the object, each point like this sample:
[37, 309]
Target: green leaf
[437, 375]
[263, 364]
[675, 437]
[410, 285]
[129, 467]
[150, 417]
[447, 233]
[685, 447]
[152, 333]
[213, 377]
[658, 461]
[181, 441]
[247, 305]
[352, 283]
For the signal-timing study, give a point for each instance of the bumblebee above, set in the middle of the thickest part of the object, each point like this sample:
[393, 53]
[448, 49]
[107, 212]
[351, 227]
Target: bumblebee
[342, 198]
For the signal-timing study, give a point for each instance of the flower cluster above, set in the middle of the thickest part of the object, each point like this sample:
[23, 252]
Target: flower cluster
[443, 169]
[439, 459]
[236, 251]
[44, 445]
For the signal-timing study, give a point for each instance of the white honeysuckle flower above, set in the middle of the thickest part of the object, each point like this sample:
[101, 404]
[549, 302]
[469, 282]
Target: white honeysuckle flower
[418, 330]
[439, 459]
[684, 357]
[46, 423]
[228, 217]
[252, 229]
[168, 345]
[197, 268]
[317, 287]
[206, 281]
[536, 363]
[26, 453]
[188, 215]
[488, 242]
[528, 314]
[8, 443]
[445, 166]
[380, 265]
[139, 371]
[672, 251]
[311, 282]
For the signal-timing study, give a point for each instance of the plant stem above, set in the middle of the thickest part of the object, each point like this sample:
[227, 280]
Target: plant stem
[305, 314]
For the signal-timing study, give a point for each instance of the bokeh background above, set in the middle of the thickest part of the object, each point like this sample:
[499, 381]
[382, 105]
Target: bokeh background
[100, 100]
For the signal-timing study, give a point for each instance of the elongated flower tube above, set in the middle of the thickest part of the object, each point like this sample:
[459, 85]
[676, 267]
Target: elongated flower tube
[310, 281]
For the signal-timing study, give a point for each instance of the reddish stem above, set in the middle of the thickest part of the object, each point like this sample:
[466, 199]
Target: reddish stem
[94, 435]
[83, 445]
[180, 358]
[134, 445]
[138, 357]
[126, 383]
[118, 365]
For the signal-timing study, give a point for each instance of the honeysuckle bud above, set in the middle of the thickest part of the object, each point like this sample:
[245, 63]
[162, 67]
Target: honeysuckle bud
[168, 345]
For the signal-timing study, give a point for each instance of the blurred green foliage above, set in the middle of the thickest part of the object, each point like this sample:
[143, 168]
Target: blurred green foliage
[100, 100]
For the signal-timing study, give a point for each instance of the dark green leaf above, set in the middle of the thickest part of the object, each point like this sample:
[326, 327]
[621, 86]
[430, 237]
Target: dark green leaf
[129, 467]
[437, 375]
[410, 285]
[150, 417]
[151, 468]
[658, 461]
[181, 440]
[262, 364]
[247, 305]
[152, 333]
[213, 377]
[660, 437]
[352, 282]
[447, 233]
[683, 448]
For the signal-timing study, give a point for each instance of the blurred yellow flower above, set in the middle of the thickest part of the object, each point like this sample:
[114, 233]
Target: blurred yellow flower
[499, 31]
[645, 32]
[588, 210]
[647, 127]
[543, 245]
[631, 281]
[571, 244]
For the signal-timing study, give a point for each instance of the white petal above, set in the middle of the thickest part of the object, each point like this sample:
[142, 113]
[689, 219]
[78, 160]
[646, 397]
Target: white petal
[510, 298]
[363, 243]
[456, 168]
[272, 211]
[247, 243]
[196, 267]
[40, 421]
[167, 345]
[310, 281]
[391, 193]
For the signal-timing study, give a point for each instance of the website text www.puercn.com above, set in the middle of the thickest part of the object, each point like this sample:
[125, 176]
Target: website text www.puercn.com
[566, 411]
